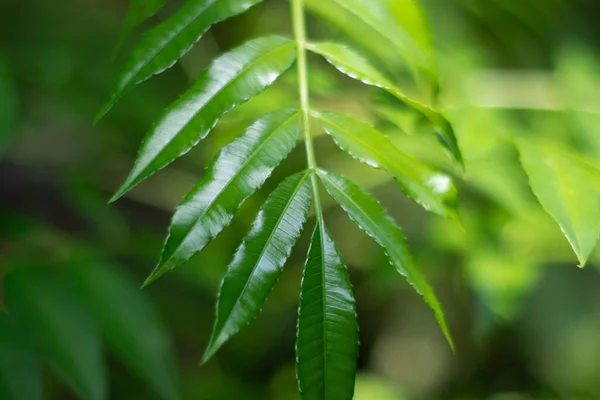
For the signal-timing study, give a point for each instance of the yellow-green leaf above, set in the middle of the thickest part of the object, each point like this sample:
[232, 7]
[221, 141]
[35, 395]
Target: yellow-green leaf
[432, 190]
[567, 187]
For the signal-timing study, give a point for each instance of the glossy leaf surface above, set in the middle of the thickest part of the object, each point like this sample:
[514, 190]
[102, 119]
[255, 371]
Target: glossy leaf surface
[59, 328]
[354, 65]
[166, 43]
[134, 332]
[20, 374]
[432, 190]
[259, 261]
[567, 188]
[327, 339]
[239, 170]
[229, 81]
[374, 220]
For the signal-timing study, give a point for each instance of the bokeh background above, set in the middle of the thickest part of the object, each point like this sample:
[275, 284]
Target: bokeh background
[526, 320]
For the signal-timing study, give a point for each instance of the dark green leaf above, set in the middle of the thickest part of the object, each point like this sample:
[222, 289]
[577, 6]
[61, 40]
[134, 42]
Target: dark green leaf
[259, 261]
[568, 188]
[61, 330]
[238, 171]
[20, 375]
[163, 45]
[327, 343]
[372, 218]
[356, 66]
[130, 324]
[229, 81]
[431, 189]
[139, 11]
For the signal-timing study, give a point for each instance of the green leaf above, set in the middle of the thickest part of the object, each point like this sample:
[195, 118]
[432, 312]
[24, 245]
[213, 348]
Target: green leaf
[259, 261]
[239, 170]
[139, 11]
[378, 16]
[354, 65]
[432, 190]
[372, 218]
[354, 28]
[229, 81]
[567, 187]
[130, 324]
[20, 374]
[410, 16]
[166, 43]
[56, 324]
[327, 342]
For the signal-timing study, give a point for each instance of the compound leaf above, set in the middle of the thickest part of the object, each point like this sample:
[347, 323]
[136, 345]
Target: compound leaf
[229, 81]
[432, 190]
[166, 43]
[327, 339]
[239, 170]
[259, 261]
[351, 63]
[372, 218]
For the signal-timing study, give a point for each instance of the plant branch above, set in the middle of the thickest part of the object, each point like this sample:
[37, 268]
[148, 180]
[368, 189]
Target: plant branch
[300, 37]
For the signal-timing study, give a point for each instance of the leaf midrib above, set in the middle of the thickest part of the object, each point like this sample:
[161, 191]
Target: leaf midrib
[251, 158]
[271, 235]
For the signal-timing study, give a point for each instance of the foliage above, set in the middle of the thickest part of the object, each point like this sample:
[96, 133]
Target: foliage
[327, 318]
[527, 143]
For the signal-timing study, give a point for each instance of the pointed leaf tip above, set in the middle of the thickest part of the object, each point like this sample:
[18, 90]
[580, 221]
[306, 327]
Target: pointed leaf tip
[230, 80]
[373, 219]
[240, 168]
[258, 262]
[162, 46]
[568, 188]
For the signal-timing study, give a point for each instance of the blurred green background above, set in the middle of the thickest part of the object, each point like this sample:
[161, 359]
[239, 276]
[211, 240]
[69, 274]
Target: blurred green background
[525, 319]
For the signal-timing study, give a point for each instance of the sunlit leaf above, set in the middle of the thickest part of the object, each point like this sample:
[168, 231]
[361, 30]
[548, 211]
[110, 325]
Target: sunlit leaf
[259, 261]
[432, 190]
[166, 43]
[130, 324]
[567, 187]
[372, 218]
[20, 374]
[357, 30]
[239, 170]
[410, 16]
[356, 66]
[327, 342]
[229, 81]
[378, 16]
[56, 324]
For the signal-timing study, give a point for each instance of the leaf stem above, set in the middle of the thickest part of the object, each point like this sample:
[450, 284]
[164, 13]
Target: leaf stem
[300, 36]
